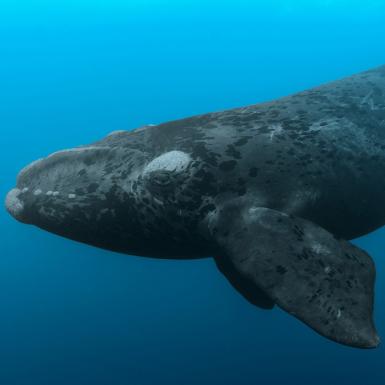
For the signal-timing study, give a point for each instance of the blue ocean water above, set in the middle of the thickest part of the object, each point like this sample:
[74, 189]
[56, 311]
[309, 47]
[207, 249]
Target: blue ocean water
[71, 72]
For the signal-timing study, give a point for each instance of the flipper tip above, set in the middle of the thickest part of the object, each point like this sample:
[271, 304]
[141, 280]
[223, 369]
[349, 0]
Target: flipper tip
[365, 339]
[371, 342]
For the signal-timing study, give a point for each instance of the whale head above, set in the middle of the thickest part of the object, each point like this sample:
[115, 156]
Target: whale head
[114, 194]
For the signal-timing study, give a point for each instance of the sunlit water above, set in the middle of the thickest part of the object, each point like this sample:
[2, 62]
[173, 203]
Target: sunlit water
[74, 71]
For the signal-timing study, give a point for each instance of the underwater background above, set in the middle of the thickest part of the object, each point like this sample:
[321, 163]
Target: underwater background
[73, 71]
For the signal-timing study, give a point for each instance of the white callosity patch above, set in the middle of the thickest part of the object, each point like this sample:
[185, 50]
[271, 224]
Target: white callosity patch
[13, 204]
[276, 129]
[71, 196]
[320, 249]
[173, 161]
[37, 192]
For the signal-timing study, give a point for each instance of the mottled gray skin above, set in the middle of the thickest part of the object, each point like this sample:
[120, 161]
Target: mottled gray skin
[162, 190]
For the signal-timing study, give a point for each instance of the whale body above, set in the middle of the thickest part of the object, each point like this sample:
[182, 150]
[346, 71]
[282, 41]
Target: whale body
[273, 192]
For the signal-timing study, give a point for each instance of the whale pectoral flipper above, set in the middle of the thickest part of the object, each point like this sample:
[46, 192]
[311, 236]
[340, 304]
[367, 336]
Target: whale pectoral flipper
[245, 286]
[325, 282]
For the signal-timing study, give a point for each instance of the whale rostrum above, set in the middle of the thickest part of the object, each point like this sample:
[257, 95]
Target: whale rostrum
[273, 192]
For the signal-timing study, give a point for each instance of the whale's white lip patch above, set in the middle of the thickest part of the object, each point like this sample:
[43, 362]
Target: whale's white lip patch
[173, 161]
[13, 204]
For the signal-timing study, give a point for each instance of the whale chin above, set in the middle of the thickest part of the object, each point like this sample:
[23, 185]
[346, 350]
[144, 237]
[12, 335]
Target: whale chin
[15, 206]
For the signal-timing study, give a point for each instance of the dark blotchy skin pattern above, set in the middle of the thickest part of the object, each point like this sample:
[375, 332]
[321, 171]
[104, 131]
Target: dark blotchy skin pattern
[318, 155]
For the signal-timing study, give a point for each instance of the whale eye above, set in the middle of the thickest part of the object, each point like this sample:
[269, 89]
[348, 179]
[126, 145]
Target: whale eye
[161, 178]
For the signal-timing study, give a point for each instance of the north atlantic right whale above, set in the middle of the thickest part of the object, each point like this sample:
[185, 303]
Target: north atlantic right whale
[274, 192]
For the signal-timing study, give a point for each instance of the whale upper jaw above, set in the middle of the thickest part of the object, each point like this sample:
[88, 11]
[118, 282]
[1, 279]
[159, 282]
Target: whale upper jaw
[20, 201]
[43, 178]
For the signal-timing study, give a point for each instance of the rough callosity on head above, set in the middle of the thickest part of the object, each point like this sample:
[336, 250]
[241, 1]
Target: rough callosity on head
[169, 161]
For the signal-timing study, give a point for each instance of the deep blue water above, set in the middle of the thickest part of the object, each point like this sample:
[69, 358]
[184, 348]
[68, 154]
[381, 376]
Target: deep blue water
[74, 71]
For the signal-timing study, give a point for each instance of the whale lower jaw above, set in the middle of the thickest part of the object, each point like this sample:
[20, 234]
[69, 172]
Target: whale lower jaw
[14, 205]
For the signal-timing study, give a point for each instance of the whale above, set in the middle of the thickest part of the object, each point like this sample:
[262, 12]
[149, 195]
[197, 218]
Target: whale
[273, 192]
